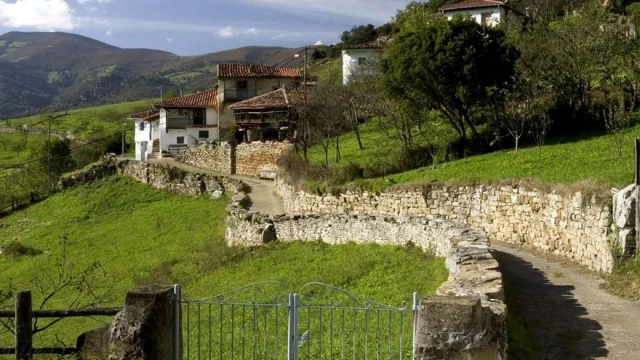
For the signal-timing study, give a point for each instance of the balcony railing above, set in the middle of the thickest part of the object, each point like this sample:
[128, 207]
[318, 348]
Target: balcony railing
[182, 123]
[239, 94]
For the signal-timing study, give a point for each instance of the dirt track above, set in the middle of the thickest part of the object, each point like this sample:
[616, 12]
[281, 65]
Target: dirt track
[566, 309]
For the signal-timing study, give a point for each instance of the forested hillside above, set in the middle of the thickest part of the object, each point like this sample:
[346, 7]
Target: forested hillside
[57, 71]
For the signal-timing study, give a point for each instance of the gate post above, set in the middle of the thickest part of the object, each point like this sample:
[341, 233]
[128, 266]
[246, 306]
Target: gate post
[292, 340]
[24, 315]
[177, 323]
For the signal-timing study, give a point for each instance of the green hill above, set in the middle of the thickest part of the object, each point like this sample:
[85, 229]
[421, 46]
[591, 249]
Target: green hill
[138, 235]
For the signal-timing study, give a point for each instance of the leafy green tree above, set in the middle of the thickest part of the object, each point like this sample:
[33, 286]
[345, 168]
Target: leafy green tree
[453, 66]
[359, 35]
[58, 157]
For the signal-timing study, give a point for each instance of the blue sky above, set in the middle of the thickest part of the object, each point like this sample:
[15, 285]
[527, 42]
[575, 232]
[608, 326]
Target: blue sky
[190, 27]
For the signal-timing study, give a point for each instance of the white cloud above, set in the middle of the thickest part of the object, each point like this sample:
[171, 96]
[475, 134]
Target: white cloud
[46, 15]
[318, 43]
[84, 2]
[169, 40]
[109, 32]
[226, 32]
[252, 31]
[372, 10]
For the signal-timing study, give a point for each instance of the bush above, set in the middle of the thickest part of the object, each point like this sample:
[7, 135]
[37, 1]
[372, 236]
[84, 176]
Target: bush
[18, 249]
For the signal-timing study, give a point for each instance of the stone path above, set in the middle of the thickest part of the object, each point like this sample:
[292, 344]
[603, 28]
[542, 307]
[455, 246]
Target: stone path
[262, 193]
[566, 309]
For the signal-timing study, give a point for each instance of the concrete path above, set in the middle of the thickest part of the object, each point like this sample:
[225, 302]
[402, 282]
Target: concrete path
[566, 309]
[262, 193]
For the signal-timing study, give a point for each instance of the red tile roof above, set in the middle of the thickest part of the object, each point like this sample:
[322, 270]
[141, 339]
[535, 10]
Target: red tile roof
[257, 71]
[281, 98]
[202, 99]
[473, 4]
[148, 115]
[379, 43]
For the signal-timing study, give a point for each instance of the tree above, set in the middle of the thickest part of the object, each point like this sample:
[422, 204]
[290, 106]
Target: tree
[452, 66]
[359, 35]
[56, 157]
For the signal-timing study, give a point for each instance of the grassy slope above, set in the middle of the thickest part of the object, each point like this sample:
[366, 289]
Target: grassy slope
[142, 235]
[88, 121]
[560, 161]
[17, 148]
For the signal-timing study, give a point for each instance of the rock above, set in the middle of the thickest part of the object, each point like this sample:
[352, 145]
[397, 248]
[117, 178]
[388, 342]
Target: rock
[626, 241]
[624, 207]
[458, 328]
[94, 345]
[269, 233]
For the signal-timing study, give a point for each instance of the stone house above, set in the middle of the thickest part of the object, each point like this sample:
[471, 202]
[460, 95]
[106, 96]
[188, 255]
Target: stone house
[241, 82]
[484, 12]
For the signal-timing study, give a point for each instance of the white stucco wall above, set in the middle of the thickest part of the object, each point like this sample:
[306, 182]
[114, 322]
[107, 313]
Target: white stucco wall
[497, 14]
[191, 135]
[350, 61]
[144, 138]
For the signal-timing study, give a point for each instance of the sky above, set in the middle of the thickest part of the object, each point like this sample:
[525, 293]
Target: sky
[192, 27]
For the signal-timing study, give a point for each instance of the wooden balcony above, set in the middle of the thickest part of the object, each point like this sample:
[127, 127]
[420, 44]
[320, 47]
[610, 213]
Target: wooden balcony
[182, 123]
[234, 95]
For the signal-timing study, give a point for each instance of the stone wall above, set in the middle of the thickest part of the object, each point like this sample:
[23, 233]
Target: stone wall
[573, 225]
[214, 157]
[242, 159]
[474, 284]
[251, 158]
[179, 181]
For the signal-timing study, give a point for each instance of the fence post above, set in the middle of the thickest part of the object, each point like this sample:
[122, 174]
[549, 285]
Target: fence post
[416, 302]
[177, 324]
[292, 341]
[24, 315]
[637, 191]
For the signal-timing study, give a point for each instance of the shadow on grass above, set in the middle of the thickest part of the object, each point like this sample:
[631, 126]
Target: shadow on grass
[558, 323]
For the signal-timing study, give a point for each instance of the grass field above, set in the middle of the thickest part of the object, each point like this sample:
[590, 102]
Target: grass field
[559, 161]
[140, 235]
[17, 148]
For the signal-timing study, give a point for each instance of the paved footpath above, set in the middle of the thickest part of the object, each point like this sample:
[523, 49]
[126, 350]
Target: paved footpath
[567, 310]
[262, 193]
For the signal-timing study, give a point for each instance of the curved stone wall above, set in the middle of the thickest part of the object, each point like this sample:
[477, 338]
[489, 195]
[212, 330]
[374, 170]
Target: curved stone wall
[572, 225]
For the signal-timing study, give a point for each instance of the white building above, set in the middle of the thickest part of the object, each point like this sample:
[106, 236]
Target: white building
[484, 12]
[146, 132]
[180, 122]
[361, 59]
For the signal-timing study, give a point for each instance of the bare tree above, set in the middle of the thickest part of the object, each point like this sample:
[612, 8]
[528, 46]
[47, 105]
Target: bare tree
[617, 119]
[85, 288]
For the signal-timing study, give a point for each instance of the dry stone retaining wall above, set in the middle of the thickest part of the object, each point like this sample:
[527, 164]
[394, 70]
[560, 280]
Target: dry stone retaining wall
[574, 226]
[243, 159]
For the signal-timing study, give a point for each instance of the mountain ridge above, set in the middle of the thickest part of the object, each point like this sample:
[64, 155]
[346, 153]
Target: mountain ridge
[52, 71]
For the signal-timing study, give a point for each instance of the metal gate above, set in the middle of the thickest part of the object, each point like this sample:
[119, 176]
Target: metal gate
[319, 321]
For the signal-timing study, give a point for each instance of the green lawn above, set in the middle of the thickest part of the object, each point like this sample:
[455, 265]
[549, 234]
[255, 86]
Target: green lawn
[559, 161]
[140, 235]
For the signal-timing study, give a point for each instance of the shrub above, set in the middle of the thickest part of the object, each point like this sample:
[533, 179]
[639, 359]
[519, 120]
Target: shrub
[18, 249]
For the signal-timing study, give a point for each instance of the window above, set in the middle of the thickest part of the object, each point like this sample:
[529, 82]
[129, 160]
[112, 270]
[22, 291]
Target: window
[198, 117]
[362, 60]
[243, 84]
[180, 139]
[486, 19]
[203, 134]
[141, 125]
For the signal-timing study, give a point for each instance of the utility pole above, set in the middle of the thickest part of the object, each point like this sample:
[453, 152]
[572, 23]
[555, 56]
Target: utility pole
[49, 152]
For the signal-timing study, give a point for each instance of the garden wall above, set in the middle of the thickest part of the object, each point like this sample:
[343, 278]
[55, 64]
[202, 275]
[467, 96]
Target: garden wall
[572, 225]
[474, 286]
[242, 159]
